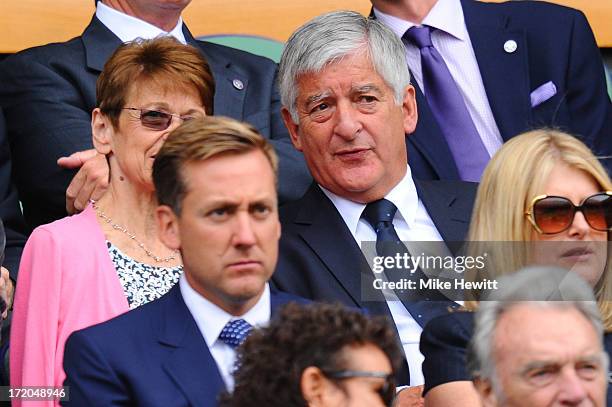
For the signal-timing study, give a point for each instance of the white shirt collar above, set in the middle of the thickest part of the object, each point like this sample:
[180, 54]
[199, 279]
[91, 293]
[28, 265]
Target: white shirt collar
[404, 196]
[128, 28]
[446, 15]
[211, 319]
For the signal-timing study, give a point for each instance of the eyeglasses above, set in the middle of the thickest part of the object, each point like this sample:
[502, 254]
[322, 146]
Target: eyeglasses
[156, 120]
[386, 392]
[555, 214]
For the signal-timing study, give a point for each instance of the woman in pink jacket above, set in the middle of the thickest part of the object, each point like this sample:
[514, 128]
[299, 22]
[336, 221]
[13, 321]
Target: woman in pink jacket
[88, 268]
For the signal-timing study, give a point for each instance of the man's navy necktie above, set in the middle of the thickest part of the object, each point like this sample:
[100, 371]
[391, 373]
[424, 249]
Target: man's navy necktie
[448, 107]
[379, 214]
[235, 332]
[422, 304]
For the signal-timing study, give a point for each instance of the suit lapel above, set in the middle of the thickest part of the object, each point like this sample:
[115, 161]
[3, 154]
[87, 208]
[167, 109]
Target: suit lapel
[231, 85]
[278, 299]
[190, 364]
[430, 142]
[324, 230]
[447, 209]
[99, 43]
[505, 74]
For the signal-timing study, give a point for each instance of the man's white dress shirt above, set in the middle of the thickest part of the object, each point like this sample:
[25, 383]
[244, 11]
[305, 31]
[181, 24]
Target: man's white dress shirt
[211, 319]
[128, 28]
[412, 223]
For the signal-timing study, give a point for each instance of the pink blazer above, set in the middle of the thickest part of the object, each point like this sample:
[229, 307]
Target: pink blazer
[66, 282]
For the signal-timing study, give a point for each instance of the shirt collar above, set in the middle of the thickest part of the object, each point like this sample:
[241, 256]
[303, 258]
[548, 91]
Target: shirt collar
[397, 25]
[128, 28]
[445, 15]
[404, 196]
[211, 319]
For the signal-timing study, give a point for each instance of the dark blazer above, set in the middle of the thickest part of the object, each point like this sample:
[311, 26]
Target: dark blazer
[320, 260]
[152, 356]
[444, 342]
[10, 213]
[555, 44]
[48, 94]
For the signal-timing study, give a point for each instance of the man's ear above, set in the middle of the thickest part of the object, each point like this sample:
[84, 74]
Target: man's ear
[292, 127]
[168, 227]
[486, 392]
[102, 131]
[410, 110]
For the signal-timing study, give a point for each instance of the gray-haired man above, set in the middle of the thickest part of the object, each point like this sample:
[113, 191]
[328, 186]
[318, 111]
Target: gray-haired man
[348, 104]
[529, 352]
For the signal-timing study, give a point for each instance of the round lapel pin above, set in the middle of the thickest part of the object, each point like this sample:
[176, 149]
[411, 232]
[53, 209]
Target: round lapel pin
[510, 46]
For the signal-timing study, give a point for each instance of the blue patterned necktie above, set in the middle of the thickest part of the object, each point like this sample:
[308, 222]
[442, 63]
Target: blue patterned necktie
[448, 107]
[235, 332]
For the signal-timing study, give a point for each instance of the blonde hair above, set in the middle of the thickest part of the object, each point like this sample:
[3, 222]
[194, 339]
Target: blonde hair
[516, 174]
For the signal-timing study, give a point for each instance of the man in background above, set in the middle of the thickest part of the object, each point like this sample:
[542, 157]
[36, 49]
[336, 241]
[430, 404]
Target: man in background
[485, 72]
[48, 94]
[538, 341]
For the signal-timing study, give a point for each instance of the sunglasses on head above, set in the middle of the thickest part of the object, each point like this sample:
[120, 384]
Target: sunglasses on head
[555, 214]
[156, 120]
[386, 392]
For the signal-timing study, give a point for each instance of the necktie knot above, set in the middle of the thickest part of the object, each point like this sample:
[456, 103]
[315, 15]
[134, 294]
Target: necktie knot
[419, 36]
[235, 332]
[379, 211]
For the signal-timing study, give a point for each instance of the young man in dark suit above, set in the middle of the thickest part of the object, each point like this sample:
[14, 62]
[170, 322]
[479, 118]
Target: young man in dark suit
[215, 182]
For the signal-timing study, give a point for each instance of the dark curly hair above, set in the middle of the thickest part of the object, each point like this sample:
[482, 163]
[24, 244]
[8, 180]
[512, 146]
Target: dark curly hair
[272, 359]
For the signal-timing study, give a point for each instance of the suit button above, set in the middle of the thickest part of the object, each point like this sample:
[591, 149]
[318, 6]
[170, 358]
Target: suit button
[238, 84]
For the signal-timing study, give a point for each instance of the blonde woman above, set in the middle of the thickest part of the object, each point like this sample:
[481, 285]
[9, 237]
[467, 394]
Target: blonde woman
[541, 186]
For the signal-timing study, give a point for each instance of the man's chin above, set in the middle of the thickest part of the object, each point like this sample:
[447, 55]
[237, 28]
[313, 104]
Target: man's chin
[246, 290]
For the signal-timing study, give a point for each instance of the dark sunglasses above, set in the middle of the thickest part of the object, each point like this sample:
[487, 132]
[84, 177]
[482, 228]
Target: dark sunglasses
[554, 214]
[386, 392]
[156, 120]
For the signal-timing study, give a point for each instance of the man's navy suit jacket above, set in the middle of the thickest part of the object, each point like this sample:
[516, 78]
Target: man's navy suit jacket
[152, 356]
[48, 94]
[554, 43]
[320, 260]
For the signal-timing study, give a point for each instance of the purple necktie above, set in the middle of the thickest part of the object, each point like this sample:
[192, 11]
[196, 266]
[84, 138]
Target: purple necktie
[449, 109]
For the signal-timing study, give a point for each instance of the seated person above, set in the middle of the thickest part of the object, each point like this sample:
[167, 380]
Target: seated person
[319, 355]
[48, 92]
[531, 191]
[348, 104]
[538, 342]
[215, 180]
[485, 72]
[90, 267]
